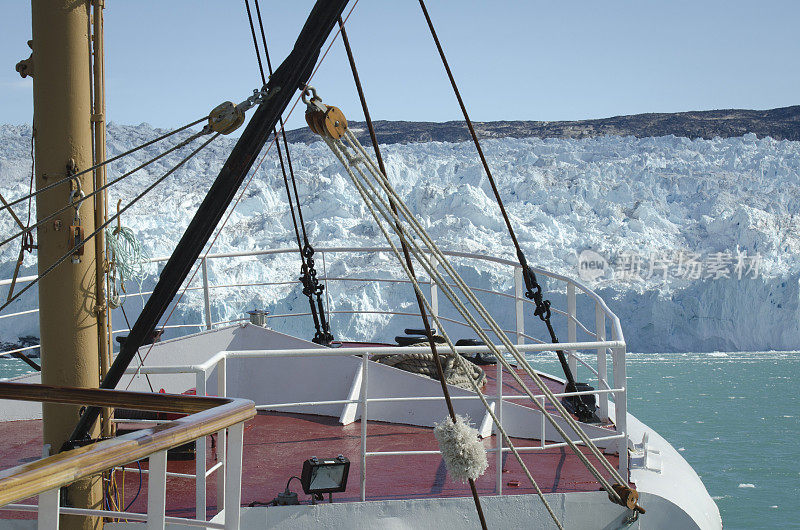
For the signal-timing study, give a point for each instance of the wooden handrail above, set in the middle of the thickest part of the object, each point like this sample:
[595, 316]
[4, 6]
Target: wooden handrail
[178, 403]
[207, 416]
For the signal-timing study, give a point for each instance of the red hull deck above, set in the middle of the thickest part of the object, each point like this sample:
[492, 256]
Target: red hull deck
[276, 444]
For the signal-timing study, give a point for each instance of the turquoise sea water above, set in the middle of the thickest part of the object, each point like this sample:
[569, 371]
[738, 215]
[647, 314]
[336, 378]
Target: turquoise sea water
[735, 417]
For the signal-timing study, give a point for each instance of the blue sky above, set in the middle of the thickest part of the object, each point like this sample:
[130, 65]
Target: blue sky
[170, 62]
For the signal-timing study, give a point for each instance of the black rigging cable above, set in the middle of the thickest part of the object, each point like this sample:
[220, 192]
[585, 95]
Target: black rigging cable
[312, 288]
[101, 164]
[240, 195]
[533, 290]
[72, 250]
[407, 257]
[103, 187]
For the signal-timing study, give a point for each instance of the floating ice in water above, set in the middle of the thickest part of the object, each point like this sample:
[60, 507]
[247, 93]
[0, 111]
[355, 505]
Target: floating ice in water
[773, 506]
[681, 449]
[747, 485]
[717, 354]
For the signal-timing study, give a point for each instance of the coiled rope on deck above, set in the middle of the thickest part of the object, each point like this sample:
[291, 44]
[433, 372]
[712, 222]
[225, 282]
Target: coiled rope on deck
[457, 374]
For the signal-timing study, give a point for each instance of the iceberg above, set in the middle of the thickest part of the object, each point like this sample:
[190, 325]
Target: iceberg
[700, 203]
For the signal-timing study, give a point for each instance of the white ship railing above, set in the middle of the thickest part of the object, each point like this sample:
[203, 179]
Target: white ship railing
[573, 288]
[596, 343]
[219, 361]
[206, 416]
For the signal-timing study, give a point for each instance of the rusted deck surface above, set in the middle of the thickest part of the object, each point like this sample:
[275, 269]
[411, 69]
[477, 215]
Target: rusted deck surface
[276, 444]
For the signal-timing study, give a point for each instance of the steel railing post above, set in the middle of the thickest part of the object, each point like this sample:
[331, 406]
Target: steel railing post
[222, 391]
[206, 293]
[602, 364]
[544, 424]
[498, 442]
[621, 404]
[200, 457]
[519, 303]
[434, 299]
[156, 490]
[364, 416]
[327, 290]
[571, 327]
[233, 476]
[49, 502]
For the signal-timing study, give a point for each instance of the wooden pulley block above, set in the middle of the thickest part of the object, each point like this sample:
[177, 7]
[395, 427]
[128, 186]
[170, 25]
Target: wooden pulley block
[335, 123]
[319, 122]
[226, 118]
[329, 122]
[311, 121]
[629, 497]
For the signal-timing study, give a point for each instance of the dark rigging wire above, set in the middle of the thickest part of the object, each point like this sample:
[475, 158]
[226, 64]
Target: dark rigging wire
[71, 251]
[128, 323]
[247, 184]
[533, 288]
[312, 288]
[103, 187]
[101, 164]
[275, 132]
[33, 173]
[407, 256]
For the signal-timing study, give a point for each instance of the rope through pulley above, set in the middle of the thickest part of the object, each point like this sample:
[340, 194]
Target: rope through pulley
[338, 127]
[368, 180]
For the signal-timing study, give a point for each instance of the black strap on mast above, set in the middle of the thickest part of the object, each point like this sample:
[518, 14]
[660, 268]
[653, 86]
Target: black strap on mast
[425, 321]
[533, 290]
[290, 76]
[312, 288]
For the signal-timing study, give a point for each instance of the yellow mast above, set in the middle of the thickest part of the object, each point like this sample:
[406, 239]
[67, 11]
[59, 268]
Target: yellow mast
[100, 205]
[67, 317]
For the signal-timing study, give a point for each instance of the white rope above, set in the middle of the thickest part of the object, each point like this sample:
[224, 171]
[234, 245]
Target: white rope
[449, 342]
[382, 181]
[484, 314]
[386, 185]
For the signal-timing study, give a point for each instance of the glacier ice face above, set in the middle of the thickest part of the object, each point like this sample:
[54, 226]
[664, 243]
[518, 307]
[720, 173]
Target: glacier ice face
[612, 195]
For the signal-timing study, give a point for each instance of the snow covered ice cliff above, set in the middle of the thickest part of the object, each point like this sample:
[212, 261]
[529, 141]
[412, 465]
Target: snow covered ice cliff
[619, 196]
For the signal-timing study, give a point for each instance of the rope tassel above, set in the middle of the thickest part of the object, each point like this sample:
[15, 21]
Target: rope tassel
[462, 451]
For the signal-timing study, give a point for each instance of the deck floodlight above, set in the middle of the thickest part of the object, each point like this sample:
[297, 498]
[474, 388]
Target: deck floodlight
[325, 475]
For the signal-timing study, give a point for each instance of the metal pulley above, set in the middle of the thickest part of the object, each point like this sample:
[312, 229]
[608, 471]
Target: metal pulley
[324, 120]
[628, 497]
[226, 118]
